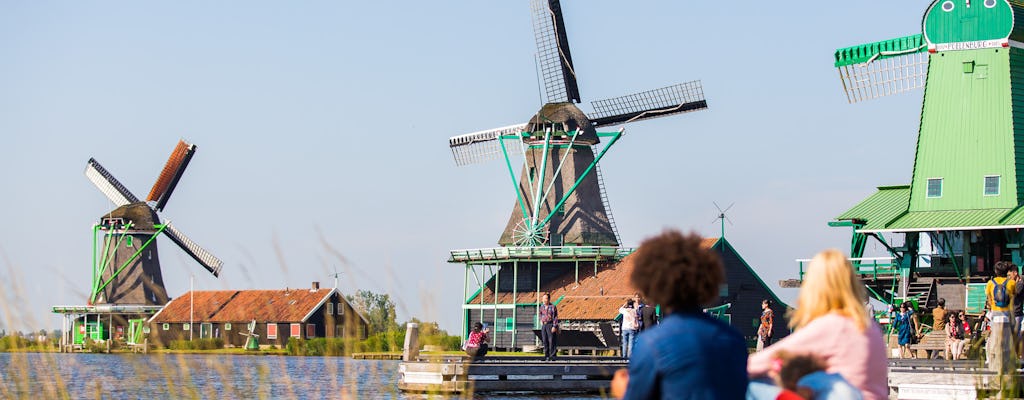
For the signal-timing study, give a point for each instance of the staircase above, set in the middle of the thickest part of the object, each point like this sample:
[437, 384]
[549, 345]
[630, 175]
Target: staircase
[923, 289]
[604, 202]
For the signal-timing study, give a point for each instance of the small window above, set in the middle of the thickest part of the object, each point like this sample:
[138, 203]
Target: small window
[271, 331]
[990, 3]
[227, 326]
[992, 185]
[186, 326]
[947, 6]
[296, 330]
[934, 187]
[167, 326]
[310, 331]
[341, 310]
[330, 308]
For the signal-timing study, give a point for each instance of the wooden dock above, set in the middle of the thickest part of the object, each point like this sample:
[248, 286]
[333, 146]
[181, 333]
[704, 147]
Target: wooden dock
[377, 356]
[454, 374]
[942, 379]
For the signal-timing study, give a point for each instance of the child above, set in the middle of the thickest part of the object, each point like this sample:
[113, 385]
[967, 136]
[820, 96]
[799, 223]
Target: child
[805, 376]
[476, 344]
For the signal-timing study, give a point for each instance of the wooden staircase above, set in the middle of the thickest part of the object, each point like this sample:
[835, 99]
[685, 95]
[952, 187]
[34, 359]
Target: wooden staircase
[923, 289]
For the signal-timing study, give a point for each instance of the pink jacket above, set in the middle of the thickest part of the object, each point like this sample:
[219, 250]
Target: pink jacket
[858, 356]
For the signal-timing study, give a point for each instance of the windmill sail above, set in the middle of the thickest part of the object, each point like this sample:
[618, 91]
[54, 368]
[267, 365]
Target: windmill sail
[109, 185]
[481, 146]
[171, 174]
[873, 70]
[554, 60]
[675, 99]
[203, 257]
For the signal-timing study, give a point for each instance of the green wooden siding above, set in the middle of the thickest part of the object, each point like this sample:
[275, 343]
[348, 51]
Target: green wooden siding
[966, 132]
[1017, 104]
[1018, 15]
[967, 24]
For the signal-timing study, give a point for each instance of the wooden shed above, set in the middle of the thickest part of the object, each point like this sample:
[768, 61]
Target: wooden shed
[279, 315]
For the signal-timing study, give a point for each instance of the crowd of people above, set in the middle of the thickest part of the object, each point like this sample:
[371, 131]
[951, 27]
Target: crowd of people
[836, 349]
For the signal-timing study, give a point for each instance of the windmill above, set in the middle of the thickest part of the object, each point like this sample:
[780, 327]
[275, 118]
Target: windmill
[560, 197]
[252, 338]
[126, 269]
[960, 212]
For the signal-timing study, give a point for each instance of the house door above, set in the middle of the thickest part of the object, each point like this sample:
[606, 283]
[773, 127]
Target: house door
[205, 330]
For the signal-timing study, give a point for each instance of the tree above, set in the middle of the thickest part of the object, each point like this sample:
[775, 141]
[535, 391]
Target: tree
[378, 308]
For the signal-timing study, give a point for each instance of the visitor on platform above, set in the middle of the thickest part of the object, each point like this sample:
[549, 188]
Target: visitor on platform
[476, 344]
[689, 354]
[831, 323]
[907, 329]
[965, 321]
[767, 325]
[955, 337]
[1018, 308]
[999, 299]
[549, 327]
[628, 327]
[939, 316]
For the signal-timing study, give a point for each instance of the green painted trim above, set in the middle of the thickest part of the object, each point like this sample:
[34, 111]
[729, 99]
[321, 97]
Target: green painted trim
[579, 180]
[512, 174]
[104, 263]
[160, 228]
[881, 50]
[540, 183]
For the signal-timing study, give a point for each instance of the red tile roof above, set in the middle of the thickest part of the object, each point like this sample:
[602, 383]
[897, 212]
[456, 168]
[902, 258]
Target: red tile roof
[593, 298]
[291, 305]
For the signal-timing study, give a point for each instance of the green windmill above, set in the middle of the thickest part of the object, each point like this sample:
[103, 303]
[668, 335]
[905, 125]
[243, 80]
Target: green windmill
[962, 210]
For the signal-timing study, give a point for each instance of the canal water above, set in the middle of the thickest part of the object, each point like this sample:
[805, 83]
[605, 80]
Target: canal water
[134, 376]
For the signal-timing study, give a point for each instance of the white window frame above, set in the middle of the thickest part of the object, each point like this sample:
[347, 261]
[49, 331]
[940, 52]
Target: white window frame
[292, 331]
[340, 309]
[186, 326]
[227, 326]
[999, 185]
[271, 335]
[927, 188]
[330, 308]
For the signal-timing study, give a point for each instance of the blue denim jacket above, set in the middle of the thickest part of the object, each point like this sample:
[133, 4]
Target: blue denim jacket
[688, 356]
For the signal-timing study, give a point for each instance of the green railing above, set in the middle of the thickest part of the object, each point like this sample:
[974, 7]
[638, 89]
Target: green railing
[866, 267]
[559, 252]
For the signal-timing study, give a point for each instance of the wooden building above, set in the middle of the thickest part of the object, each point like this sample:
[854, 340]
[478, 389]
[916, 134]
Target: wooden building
[279, 315]
[589, 296]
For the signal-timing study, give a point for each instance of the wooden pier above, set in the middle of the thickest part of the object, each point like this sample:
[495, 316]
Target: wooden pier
[942, 379]
[454, 374]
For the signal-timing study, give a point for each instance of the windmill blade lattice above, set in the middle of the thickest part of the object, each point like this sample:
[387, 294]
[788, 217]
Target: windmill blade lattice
[478, 147]
[109, 185]
[878, 69]
[203, 257]
[171, 174]
[670, 100]
[553, 57]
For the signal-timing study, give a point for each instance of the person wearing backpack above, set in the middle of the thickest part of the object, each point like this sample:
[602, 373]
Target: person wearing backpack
[999, 293]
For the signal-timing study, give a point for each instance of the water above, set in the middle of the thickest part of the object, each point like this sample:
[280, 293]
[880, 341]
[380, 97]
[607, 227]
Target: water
[119, 376]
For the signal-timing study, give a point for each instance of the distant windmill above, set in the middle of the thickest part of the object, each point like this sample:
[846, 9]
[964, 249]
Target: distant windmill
[722, 217]
[560, 197]
[252, 338]
[127, 268]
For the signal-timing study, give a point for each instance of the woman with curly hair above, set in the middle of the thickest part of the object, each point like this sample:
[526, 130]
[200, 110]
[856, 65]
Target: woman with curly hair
[689, 353]
[831, 322]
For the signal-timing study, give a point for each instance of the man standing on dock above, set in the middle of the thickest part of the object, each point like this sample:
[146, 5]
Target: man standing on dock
[549, 327]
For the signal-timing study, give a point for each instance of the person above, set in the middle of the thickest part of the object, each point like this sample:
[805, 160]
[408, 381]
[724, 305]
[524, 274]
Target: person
[999, 299]
[646, 313]
[830, 322]
[628, 329]
[954, 337]
[939, 316]
[1018, 307]
[476, 344]
[870, 308]
[966, 323]
[765, 329]
[907, 329]
[688, 354]
[548, 327]
[805, 376]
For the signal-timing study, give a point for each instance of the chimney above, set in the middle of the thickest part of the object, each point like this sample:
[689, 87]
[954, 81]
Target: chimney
[316, 286]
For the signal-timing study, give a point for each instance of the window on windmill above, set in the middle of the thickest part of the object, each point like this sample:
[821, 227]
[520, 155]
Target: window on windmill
[533, 172]
[968, 67]
[934, 188]
[980, 71]
[992, 185]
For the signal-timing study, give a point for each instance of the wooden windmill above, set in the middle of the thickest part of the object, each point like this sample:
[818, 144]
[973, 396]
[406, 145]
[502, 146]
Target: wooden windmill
[126, 268]
[963, 207]
[559, 194]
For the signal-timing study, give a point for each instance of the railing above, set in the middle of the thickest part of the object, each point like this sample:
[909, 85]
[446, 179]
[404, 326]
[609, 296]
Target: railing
[553, 252]
[873, 267]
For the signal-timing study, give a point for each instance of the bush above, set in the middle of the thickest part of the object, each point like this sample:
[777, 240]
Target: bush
[197, 344]
[322, 347]
[8, 343]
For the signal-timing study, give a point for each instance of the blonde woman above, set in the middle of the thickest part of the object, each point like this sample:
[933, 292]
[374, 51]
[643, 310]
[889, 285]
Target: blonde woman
[831, 322]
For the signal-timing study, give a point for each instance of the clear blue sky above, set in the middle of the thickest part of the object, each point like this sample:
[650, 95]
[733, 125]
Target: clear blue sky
[325, 123]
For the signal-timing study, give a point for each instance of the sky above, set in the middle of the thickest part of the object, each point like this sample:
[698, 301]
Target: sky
[322, 132]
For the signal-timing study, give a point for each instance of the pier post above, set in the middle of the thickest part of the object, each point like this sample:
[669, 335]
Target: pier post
[411, 351]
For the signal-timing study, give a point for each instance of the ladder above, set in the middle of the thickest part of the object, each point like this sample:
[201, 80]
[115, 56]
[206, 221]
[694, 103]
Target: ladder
[605, 203]
[922, 289]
